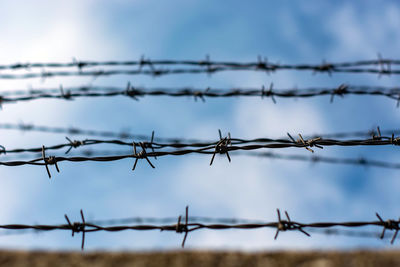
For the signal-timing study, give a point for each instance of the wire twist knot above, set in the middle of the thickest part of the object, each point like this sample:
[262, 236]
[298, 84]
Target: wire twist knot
[268, 93]
[74, 144]
[78, 227]
[325, 67]
[389, 225]
[340, 91]
[183, 228]
[395, 141]
[222, 146]
[287, 225]
[51, 160]
[200, 94]
[140, 155]
[131, 92]
[307, 143]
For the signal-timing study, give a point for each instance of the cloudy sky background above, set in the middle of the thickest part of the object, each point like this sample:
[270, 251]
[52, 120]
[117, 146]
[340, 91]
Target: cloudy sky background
[288, 32]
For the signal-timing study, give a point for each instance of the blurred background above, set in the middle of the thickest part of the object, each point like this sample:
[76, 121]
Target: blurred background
[289, 32]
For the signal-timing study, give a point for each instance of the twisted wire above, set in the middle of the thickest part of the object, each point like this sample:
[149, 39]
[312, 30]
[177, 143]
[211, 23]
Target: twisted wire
[186, 227]
[80, 64]
[205, 146]
[157, 67]
[137, 92]
[224, 146]
[314, 159]
[196, 219]
[27, 127]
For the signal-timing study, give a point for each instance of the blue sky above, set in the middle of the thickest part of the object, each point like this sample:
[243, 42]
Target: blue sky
[284, 31]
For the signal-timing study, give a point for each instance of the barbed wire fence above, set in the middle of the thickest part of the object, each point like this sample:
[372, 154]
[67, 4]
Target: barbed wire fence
[152, 147]
[185, 226]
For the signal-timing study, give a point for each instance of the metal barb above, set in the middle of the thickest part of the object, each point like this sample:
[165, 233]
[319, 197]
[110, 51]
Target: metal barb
[74, 144]
[151, 143]
[141, 155]
[131, 92]
[183, 228]
[200, 94]
[340, 91]
[78, 227]
[381, 62]
[310, 143]
[284, 225]
[268, 93]
[222, 146]
[389, 225]
[207, 62]
[66, 95]
[324, 67]
[47, 161]
[2, 150]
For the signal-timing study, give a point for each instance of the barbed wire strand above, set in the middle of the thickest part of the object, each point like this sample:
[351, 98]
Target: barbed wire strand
[163, 72]
[314, 159]
[72, 131]
[157, 67]
[136, 93]
[198, 219]
[223, 146]
[80, 64]
[184, 226]
[257, 143]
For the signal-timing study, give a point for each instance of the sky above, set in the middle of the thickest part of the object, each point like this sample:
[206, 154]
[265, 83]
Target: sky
[283, 31]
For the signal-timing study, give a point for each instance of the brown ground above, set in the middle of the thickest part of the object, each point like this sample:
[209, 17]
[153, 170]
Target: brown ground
[197, 259]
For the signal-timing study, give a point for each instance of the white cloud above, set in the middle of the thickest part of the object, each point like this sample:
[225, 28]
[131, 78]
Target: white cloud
[263, 118]
[362, 34]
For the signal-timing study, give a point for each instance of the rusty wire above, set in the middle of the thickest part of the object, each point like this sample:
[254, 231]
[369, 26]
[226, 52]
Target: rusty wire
[184, 226]
[137, 92]
[163, 67]
[25, 127]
